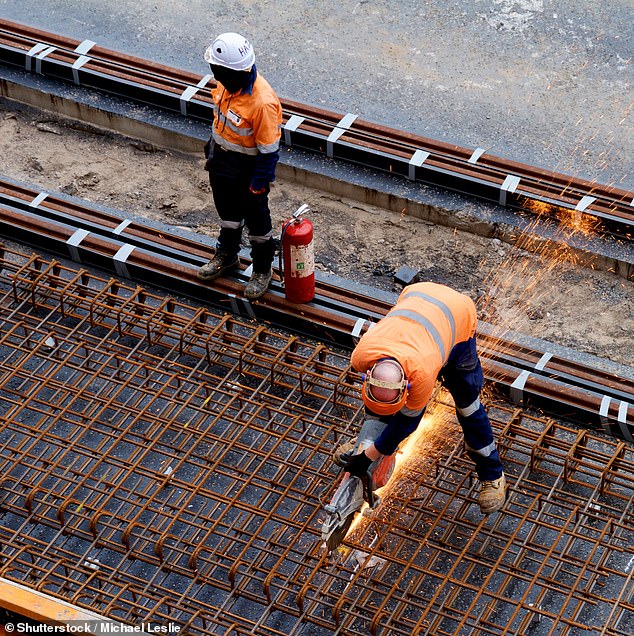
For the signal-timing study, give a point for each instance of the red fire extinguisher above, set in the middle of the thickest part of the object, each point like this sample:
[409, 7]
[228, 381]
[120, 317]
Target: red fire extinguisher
[299, 258]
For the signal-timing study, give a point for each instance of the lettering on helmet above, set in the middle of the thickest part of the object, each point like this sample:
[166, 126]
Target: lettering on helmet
[244, 49]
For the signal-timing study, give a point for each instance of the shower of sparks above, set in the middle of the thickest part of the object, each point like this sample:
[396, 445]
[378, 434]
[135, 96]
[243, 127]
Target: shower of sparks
[413, 450]
[572, 222]
[529, 280]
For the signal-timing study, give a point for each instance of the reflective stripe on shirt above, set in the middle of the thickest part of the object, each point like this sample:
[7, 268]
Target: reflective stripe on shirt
[424, 322]
[442, 306]
[227, 145]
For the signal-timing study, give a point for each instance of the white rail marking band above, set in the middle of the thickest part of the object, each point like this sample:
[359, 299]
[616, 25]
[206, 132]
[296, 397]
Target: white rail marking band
[604, 411]
[417, 160]
[38, 199]
[190, 91]
[517, 388]
[82, 49]
[625, 429]
[358, 326]
[339, 130]
[584, 203]
[477, 153]
[543, 361]
[39, 52]
[510, 185]
[36, 49]
[120, 259]
[293, 123]
[122, 226]
[74, 241]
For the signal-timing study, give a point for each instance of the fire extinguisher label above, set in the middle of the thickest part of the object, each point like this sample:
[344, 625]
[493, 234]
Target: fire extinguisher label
[302, 260]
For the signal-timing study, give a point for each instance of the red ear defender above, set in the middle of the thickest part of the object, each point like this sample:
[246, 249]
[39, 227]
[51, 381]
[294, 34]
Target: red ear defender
[381, 407]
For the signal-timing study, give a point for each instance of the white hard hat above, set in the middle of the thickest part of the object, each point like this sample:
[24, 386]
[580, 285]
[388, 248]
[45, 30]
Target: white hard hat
[231, 50]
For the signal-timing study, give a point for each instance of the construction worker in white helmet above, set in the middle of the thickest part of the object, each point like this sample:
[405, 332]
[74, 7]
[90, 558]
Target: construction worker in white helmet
[241, 157]
[430, 333]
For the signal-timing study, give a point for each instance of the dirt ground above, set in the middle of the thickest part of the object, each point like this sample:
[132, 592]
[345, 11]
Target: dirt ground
[548, 298]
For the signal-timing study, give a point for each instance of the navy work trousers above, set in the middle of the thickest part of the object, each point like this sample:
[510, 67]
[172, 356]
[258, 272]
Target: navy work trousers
[230, 177]
[462, 377]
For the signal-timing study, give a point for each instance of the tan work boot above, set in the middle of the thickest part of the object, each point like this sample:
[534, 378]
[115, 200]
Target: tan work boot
[492, 495]
[219, 264]
[257, 285]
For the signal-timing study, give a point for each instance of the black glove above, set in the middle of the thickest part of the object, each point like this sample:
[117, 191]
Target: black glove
[357, 465]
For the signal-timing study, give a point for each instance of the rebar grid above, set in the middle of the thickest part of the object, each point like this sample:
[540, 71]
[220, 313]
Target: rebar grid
[164, 463]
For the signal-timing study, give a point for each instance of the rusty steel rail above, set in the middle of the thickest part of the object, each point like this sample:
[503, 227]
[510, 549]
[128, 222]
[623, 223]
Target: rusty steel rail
[164, 463]
[150, 255]
[471, 171]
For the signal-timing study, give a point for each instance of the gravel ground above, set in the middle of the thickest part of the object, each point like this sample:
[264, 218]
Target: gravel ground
[542, 82]
[544, 295]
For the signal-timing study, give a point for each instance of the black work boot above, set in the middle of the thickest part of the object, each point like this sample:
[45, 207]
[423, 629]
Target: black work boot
[218, 265]
[258, 284]
[262, 255]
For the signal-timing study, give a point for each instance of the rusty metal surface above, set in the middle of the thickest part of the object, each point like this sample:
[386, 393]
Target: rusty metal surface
[164, 463]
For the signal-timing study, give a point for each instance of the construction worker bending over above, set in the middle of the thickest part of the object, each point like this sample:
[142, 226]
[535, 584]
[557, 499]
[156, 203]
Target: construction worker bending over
[242, 155]
[429, 334]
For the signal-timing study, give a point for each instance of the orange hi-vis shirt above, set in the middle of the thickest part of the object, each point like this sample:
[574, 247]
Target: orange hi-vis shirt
[247, 122]
[419, 332]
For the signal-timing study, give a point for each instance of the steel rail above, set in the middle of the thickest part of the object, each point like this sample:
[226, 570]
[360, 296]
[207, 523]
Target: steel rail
[152, 256]
[471, 171]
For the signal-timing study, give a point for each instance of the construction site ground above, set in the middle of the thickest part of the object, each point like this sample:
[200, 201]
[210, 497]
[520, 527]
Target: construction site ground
[543, 295]
[164, 463]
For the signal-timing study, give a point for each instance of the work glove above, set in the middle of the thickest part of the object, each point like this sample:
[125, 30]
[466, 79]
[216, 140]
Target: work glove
[257, 191]
[356, 465]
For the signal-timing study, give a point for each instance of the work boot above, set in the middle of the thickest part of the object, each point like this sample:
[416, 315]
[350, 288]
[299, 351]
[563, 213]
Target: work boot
[219, 264]
[258, 284]
[492, 495]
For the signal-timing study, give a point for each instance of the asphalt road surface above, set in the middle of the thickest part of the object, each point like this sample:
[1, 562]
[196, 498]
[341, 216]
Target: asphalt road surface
[543, 82]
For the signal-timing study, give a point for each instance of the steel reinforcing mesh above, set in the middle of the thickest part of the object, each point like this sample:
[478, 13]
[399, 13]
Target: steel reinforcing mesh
[163, 462]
